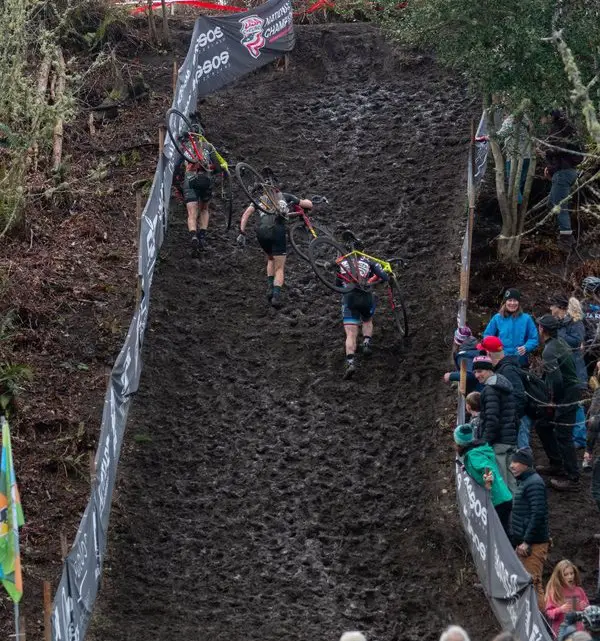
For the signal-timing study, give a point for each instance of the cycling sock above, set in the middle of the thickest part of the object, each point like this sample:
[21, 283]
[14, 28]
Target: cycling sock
[366, 340]
[270, 281]
[276, 290]
[201, 234]
[350, 358]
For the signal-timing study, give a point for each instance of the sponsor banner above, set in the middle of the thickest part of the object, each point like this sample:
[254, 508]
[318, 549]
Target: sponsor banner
[505, 581]
[221, 50]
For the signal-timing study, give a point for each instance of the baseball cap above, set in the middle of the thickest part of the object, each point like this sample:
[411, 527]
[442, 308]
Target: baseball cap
[491, 344]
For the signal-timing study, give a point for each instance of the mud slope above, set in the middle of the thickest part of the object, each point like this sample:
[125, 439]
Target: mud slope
[262, 497]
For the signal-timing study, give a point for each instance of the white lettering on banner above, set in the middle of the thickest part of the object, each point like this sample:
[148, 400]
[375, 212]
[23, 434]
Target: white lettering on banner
[97, 571]
[113, 418]
[209, 37]
[124, 381]
[211, 65]
[286, 8]
[509, 581]
[474, 502]
[81, 553]
[64, 624]
[479, 545]
[277, 27]
[513, 611]
[103, 477]
[183, 88]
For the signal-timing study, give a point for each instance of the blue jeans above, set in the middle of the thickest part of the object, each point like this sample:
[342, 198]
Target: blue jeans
[562, 181]
[579, 431]
[523, 434]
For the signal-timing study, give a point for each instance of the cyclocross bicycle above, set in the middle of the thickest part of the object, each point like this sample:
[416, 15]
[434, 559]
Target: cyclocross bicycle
[186, 137]
[337, 268]
[267, 197]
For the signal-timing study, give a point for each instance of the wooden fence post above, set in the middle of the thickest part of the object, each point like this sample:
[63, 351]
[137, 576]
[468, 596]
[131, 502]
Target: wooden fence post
[47, 612]
[161, 139]
[138, 227]
[174, 74]
[64, 548]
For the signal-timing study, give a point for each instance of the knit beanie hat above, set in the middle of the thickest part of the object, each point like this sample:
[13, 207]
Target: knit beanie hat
[511, 292]
[463, 434]
[482, 362]
[523, 456]
[461, 334]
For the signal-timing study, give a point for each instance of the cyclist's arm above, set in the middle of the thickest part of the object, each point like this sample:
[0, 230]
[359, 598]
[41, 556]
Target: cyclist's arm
[378, 274]
[219, 159]
[290, 199]
[245, 217]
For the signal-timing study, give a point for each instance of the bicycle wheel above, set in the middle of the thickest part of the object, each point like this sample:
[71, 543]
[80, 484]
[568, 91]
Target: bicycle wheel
[398, 309]
[324, 254]
[225, 197]
[179, 128]
[261, 195]
[301, 238]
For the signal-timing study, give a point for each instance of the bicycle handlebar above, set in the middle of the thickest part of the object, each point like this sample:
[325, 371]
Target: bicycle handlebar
[317, 200]
[398, 261]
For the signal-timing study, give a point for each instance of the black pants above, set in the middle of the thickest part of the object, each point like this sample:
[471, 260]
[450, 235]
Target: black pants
[557, 435]
[596, 482]
[503, 511]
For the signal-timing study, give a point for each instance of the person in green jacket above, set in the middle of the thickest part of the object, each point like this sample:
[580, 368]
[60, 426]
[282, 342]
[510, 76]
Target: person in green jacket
[479, 460]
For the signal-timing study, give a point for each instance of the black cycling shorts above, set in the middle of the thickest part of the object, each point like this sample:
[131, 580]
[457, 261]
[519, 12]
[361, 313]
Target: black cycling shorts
[197, 187]
[272, 239]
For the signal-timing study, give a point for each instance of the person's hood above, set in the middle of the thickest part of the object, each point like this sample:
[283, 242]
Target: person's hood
[500, 382]
[468, 344]
[507, 360]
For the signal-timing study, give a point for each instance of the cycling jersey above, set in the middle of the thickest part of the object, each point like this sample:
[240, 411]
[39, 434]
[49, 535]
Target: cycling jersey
[271, 232]
[358, 305]
[359, 270]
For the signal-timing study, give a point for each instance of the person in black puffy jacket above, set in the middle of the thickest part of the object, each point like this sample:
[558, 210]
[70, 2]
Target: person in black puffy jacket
[498, 417]
[529, 519]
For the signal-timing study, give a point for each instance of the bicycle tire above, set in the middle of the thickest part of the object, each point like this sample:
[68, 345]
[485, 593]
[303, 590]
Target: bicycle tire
[398, 309]
[224, 198]
[301, 238]
[174, 135]
[323, 252]
[249, 180]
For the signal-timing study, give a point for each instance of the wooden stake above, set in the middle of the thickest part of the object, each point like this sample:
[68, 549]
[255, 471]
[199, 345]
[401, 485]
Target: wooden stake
[61, 82]
[64, 548]
[91, 125]
[22, 631]
[161, 139]
[286, 61]
[47, 612]
[174, 75]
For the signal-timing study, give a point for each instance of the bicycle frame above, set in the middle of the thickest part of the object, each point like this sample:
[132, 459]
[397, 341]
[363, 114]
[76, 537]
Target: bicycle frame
[301, 213]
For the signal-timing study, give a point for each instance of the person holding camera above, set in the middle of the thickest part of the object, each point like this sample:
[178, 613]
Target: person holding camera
[590, 617]
[564, 594]
[529, 519]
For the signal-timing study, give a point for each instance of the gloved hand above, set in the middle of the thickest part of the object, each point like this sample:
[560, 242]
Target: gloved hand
[241, 239]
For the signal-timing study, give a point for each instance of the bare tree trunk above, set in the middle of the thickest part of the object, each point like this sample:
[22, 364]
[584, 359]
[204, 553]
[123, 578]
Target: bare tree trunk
[527, 189]
[61, 82]
[165, 24]
[151, 24]
[42, 87]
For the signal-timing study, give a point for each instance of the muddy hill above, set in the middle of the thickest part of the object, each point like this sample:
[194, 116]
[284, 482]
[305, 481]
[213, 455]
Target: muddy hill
[261, 496]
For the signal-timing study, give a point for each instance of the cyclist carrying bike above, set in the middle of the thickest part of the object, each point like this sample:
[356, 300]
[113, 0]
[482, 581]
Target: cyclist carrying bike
[358, 305]
[271, 235]
[197, 187]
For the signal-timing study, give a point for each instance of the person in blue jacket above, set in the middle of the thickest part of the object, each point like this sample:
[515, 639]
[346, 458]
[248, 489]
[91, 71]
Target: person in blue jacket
[514, 328]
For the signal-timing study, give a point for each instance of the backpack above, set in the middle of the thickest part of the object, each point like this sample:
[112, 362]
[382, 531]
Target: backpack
[537, 395]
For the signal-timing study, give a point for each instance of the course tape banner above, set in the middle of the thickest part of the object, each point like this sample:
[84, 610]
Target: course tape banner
[505, 581]
[222, 49]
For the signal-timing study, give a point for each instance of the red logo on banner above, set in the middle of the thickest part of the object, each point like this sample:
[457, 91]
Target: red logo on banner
[252, 34]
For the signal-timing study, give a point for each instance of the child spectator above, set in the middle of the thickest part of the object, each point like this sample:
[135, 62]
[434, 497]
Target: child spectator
[465, 348]
[514, 328]
[564, 594]
[473, 406]
[479, 460]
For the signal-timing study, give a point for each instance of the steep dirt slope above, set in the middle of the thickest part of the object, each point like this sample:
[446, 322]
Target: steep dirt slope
[262, 497]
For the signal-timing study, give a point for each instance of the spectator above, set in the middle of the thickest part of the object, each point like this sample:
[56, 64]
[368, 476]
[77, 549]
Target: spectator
[473, 407]
[563, 388]
[593, 429]
[513, 327]
[509, 367]
[464, 349]
[454, 633]
[572, 331]
[498, 416]
[591, 622]
[479, 461]
[590, 305]
[564, 594]
[529, 519]
[505, 636]
[561, 165]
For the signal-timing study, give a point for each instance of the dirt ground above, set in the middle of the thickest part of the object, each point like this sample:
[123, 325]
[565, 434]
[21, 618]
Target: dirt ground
[260, 495]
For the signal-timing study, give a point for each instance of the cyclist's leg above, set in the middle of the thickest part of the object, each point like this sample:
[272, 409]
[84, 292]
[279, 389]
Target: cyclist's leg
[203, 215]
[279, 251]
[367, 328]
[278, 270]
[192, 215]
[351, 331]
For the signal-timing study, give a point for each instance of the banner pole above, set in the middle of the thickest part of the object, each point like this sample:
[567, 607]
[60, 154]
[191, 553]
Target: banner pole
[174, 75]
[47, 612]
[17, 627]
